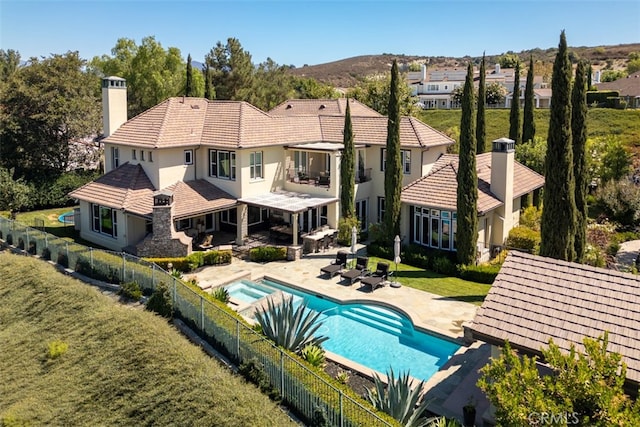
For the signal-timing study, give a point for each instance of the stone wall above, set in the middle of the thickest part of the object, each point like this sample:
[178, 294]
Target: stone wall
[164, 241]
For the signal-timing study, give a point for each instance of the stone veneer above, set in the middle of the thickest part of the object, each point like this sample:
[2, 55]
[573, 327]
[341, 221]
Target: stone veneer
[164, 241]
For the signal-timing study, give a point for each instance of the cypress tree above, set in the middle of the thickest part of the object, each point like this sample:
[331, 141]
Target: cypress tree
[481, 130]
[589, 74]
[514, 116]
[579, 141]
[208, 85]
[347, 168]
[467, 195]
[528, 121]
[189, 86]
[559, 213]
[393, 169]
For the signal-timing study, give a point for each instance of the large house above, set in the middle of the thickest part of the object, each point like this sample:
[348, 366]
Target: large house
[191, 166]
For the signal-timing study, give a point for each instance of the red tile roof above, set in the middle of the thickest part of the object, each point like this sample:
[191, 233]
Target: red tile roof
[534, 299]
[626, 86]
[317, 107]
[439, 187]
[198, 197]
[233, 124]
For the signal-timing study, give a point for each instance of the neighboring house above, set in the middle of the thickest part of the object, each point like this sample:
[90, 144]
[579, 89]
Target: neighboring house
[534, 299]
[434, 87]
[628, 87]
[190, 166]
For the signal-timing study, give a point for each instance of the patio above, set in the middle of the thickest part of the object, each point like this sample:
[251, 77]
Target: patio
[450, 388]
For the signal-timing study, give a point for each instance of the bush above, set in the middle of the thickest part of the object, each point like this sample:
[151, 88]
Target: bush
[484, 273]
[593, 256]
[443, 265]
[252, 370]
[21, 243]
[524, 238]
[345, 225]
[195, 259]
[621, 201]
[530, 218]
[63, 260]
[314, 355]
[613, 248]
[376, 249]
[181, 264]
[131, 290]
[160, 301]
[221, 294]
[268, 254]
[46, 254]
[56, 349]
[9, 239]
[217, 257]
[32, 248]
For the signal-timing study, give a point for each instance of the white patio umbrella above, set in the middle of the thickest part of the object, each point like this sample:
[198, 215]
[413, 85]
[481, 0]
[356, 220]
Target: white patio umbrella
[396, 259]
[354, 240]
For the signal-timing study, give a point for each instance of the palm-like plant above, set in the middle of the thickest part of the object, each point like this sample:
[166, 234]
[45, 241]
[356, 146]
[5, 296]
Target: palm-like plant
[399, 399]
[290, 328]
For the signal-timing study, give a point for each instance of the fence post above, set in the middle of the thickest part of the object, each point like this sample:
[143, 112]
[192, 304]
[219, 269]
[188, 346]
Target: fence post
[341, 411]
[91, 256]
[153, 277]
[66, 245]
[124, 265]
[174, 293]
[238, 340]
[201, 314]
[282, 374]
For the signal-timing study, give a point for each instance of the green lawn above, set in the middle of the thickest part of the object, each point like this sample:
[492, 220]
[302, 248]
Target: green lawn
[456, 288]
[121, 366]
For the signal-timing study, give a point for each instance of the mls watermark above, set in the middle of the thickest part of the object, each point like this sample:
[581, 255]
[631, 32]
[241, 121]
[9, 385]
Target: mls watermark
[552, 418]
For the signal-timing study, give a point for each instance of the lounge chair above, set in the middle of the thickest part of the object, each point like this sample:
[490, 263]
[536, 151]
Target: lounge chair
[337, 266]
[205, 242]
[378, 278]
[359, 271]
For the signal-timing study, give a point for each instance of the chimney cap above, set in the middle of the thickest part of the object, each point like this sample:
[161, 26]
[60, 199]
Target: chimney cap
[503, 145]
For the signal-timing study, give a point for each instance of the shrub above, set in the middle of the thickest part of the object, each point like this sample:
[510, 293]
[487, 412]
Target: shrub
[593, 256]
[160, 301]
[613, 248]
[221, 294]
[46, 254]
[345, 225]
[484, 273]
[32, 248]
[195, 260]
[253, 371]
[83, 266]
[376, 232]
[443, 265]
[217, 257]
[343, 377]
[314, 355]
[621, 201]
[56, 349]
[268, 254]
[319, 418]
[530, 218]
[179, 263]
[131, 290]
[63, 259]
[376, 249]
[9, 239]
[524, 238]
[21, 243]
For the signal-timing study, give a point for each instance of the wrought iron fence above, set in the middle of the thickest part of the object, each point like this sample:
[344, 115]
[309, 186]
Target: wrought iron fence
[299, 387]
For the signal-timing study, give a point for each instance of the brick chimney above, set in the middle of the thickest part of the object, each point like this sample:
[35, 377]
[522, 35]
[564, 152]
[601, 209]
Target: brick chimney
[114, 104]
[502, 163]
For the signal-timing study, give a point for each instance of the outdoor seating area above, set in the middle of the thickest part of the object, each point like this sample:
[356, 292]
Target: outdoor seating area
[360, 270]
[336, 266]
[316, 240]
[378, 278]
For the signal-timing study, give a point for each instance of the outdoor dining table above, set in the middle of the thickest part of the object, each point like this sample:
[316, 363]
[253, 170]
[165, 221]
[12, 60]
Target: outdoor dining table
[314, 238]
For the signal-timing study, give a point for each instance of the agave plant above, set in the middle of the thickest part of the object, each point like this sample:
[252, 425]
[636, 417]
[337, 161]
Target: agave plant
[399, 399]
[221, 294]
[314, 355]
[443, 422]
[289, 328]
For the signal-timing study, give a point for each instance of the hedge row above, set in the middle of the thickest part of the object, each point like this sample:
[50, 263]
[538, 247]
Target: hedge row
[193, 261]
[268, 254]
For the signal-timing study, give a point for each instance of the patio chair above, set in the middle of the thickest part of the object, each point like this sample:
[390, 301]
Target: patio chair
[359, 271]
[378, 278]
[205, 242]
[337, 266]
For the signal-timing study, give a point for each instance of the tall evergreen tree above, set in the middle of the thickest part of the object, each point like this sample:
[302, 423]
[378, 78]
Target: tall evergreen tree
[559, 213]
[481, 129]
[347, 168]
[208, 85]
[589, 74]
[579, 141]
[188, 90]
[467, 196]
[528, 121]
[514, 116]
[393, 168]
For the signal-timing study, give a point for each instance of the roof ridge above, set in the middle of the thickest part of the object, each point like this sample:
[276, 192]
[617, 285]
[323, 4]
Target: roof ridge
[415, 131]
[165, 119]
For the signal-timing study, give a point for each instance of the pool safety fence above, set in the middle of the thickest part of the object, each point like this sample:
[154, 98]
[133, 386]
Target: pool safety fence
[300, 388]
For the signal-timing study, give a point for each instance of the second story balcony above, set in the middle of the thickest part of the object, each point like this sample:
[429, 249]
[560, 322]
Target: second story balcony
[309, 177]
[363, 175]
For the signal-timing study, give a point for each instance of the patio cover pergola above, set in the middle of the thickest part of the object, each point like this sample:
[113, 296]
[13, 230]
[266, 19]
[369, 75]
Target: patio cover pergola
[290, 202]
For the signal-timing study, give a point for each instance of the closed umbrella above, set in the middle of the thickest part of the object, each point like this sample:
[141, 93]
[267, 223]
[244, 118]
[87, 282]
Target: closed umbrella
[396, 259]
[354, 240]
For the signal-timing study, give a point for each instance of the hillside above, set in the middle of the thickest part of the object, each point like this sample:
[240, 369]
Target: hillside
[347, 72]
[122, 366]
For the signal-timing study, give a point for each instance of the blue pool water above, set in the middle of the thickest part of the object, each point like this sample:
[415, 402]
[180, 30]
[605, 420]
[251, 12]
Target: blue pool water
[375, 336]
[248, 291]
[66, 218]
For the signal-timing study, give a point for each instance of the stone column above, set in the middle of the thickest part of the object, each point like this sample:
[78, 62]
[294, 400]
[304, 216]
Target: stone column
[242, 226]
[294, 227]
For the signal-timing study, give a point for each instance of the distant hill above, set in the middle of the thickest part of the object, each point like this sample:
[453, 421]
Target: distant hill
[347, 72]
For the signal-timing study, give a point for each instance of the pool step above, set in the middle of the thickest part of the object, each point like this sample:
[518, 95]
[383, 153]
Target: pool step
[380, 319]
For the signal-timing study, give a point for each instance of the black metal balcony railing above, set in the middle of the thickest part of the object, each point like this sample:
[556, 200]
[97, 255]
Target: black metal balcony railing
[363, 175]
[323, 178]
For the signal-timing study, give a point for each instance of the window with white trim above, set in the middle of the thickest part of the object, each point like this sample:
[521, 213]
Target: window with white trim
[405, 159]
[142, 155]
[435, 228]
[362, 213]
[380, 209]
[104, 220]
[255, 165]
[133, 154]
[115, 157]
[188, 157]
[183, 224]
[151, 156]
[222, 164]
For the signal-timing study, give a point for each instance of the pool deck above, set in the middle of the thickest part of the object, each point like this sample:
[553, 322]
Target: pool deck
[450, 388]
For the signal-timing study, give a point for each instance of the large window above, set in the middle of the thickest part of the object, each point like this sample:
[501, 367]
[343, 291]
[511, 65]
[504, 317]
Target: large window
[362, 210]
[188, 157]
[380, 209]
[115, 157]
[435, 228]
[222, 164]
[300, 161]
[229, 216]
[405, 159]
[255, 165]
[183, 224]
[105, 220]
[256, 215]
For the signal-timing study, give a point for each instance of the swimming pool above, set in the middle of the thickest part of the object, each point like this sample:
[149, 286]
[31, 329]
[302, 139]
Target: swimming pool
[248, 291]
[67, 218]
[375, 336]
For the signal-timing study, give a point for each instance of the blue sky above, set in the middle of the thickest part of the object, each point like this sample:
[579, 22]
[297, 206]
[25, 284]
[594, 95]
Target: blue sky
[314, 32]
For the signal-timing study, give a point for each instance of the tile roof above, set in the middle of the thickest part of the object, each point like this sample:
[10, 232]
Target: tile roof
[439, 187]
[233, 124]
[627, 86]
[126, 187]
[198, 197]
[330, 107]
[534, 299]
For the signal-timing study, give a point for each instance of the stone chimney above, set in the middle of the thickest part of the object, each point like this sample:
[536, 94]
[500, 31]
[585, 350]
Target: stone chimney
[164, 240]
[114, 103]
[502, 164]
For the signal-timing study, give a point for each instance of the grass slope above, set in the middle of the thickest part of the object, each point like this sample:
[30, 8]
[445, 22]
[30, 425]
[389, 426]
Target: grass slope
[122, 366]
